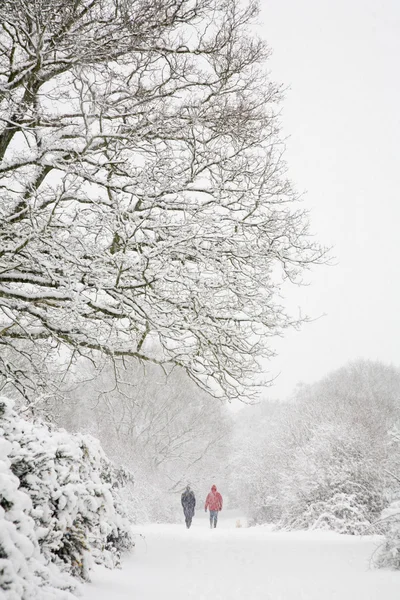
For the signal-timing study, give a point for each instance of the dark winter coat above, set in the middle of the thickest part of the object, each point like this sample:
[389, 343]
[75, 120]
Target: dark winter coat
[188, 501]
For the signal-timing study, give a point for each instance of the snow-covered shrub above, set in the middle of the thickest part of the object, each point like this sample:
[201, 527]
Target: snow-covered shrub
[24, 572]
[389, 553]
[335, 481]
[389, 523]
[341, 512]
[70, 491]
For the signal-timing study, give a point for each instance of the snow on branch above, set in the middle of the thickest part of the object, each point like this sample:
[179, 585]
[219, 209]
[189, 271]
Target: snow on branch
[145, 204]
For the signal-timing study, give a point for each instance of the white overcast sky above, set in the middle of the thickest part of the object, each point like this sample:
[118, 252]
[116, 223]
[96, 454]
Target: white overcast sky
[341, 62]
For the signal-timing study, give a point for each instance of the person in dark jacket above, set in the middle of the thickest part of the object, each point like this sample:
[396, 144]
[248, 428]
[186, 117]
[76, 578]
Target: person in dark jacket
[188, 501]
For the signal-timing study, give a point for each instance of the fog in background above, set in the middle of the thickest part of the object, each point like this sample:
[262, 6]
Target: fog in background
[339, 61]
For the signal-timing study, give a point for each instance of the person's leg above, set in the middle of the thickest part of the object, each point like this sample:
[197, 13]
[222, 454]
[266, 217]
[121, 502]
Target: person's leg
[189, 521]
[215, 518]
[211, 518]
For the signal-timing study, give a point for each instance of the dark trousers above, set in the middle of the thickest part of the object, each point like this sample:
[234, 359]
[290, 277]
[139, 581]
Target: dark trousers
[188, 519]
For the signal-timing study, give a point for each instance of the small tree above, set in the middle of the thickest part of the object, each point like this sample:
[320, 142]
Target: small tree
[145, 210]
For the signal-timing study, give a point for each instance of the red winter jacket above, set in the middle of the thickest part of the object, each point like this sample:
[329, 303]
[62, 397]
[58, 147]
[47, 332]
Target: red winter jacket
[213, 500]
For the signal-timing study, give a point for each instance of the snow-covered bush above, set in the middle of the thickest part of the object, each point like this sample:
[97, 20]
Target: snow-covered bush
[389, 553]
[389, 523]
[24, 571]
[335, 481]
[61, 496]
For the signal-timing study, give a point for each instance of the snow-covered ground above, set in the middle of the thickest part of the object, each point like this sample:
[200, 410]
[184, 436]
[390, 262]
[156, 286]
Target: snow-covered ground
[229, 563]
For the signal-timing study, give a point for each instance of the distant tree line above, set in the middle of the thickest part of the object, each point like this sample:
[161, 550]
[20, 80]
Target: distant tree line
[329, 458]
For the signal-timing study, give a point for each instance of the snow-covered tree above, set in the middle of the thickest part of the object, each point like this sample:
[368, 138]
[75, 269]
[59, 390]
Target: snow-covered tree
[145, 209]
[339, 448]
[322, 461]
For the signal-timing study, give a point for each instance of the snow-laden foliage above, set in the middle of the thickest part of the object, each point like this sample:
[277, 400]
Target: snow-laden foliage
[389, 523]
[59, 497]
[334, 482]
[321, 460]
[389, 553]
[24, 571]
[163, 428]
[145, 206]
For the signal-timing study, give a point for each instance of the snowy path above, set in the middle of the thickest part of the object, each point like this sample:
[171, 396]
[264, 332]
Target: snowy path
[173, 563]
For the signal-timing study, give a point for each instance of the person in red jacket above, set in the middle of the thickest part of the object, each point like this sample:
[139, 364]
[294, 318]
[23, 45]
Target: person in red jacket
[214, 504]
